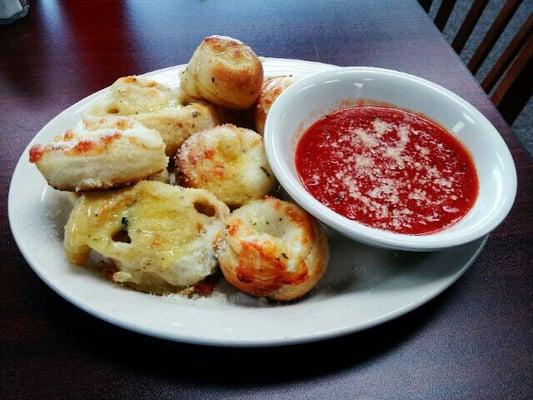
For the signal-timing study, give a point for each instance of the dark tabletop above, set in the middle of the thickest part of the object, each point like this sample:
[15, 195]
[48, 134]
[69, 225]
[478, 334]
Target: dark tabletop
[473, 341]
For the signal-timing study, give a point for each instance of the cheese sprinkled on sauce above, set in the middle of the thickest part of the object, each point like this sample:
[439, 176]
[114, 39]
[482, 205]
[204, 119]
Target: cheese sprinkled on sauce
[387, 168]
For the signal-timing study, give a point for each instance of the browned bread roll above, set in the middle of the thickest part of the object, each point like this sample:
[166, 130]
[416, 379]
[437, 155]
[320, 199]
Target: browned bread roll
[228, 161]
[272, 248]
[272, 88]
[224, 71]
[101, 154]
[156, 106]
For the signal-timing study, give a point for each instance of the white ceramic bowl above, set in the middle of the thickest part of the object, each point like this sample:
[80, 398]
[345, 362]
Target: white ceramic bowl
[319, 94]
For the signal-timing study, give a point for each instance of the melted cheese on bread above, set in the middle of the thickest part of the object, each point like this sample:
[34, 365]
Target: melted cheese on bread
[228, 161]
[159, 236]
[157, 107]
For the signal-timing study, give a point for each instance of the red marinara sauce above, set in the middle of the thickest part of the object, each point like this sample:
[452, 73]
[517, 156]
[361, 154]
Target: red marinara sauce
[387, 168]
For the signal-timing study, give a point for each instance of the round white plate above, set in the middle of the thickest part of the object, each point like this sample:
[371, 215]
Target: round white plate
[364, 286]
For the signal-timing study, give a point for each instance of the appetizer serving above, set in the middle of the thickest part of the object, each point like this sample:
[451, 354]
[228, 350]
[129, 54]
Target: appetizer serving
[363, 285]
[157, 237]
[170, 189]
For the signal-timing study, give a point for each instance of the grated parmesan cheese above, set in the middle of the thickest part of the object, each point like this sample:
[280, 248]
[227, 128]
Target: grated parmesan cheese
[384, 171]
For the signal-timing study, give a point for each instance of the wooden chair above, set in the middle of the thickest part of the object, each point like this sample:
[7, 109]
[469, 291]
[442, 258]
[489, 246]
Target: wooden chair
[513, 70]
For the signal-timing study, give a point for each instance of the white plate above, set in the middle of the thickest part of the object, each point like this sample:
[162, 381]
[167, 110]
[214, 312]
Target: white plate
[363, 287]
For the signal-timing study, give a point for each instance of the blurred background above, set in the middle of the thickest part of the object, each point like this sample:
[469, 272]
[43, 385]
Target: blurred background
[523, 125]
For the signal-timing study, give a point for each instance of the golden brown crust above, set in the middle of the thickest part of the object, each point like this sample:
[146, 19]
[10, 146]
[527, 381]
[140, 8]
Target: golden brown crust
[288, 292]
[225, 72]
[102, 154]
[273, 248]
[272, 88]
[228, 161]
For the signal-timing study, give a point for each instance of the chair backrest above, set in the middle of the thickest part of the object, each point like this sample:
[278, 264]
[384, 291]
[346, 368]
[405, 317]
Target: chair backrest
[513, 70]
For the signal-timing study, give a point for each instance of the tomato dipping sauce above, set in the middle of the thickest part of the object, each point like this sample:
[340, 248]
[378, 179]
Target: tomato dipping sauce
[387, 168]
